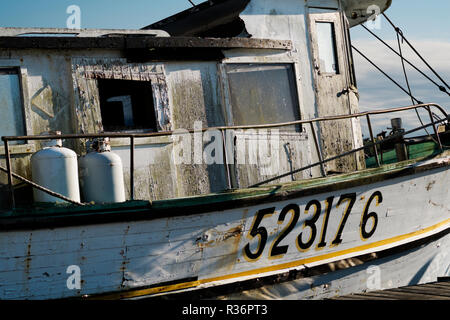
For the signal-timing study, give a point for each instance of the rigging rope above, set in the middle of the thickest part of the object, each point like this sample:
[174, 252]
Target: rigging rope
[399, 33]
[404, 69]
[418, 54]
[400, 39]
[441, 88]
[398, 85]
[385, 74]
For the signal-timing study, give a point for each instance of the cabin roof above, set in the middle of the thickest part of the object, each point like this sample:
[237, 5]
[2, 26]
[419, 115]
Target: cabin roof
[95, 39]
[220, 18]
[209, 18]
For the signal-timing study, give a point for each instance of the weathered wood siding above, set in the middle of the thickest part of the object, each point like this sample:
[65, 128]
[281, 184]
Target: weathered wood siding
[291, 20]
[61, 93]
[48, 105]
[196, 101]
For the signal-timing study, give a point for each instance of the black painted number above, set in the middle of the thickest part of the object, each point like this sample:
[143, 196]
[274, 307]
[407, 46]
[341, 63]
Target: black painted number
[329, 205]
[293, 210]
[258, 231]
[368, 215]
[311, 224]
[351, 198]
[278, 250]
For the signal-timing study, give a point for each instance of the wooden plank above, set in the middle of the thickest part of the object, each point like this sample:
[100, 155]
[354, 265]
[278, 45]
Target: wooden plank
[431, 291]
[438, 287]
[373, 296]
[443, 284]
[425, 290]
[408, 295]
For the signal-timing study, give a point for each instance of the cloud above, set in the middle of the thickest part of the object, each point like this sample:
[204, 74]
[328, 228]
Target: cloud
[378, 92]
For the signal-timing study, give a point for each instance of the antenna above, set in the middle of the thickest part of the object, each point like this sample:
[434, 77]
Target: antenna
[193, 4]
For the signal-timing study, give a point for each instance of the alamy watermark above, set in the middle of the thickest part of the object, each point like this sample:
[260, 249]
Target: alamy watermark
[74, 280]
[211, 146]
[74, 19]
[373, 282]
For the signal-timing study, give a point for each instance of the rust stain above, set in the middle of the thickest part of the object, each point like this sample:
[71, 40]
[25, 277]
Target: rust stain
[430, 185]
[234, 232]
[227, 243]
[216, 238]
[125, 260]
[28, 256]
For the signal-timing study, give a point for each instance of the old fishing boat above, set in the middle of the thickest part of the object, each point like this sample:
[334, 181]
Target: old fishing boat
[217, 153]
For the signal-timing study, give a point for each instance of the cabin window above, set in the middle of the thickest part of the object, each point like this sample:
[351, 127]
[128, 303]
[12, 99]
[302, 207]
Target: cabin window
[127, 105]
[262, 93]
[12, 123]
[326, 41]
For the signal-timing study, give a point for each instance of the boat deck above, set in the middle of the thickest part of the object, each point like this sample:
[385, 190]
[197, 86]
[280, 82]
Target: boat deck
[439, 290]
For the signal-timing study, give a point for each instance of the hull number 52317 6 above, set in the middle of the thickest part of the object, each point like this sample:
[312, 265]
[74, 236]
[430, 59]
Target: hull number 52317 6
[293, 211]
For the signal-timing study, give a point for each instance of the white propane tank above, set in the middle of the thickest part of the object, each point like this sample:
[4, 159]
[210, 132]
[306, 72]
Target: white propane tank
[55, 168]
[101, 174]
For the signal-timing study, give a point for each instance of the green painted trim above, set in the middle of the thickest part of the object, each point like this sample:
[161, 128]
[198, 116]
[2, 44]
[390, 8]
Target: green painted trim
[62, 215]
[415, 151]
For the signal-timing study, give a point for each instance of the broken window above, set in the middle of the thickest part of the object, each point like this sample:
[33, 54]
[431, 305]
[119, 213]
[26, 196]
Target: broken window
[12, 123]
[127, 105]
[326, 41]
[263, 93]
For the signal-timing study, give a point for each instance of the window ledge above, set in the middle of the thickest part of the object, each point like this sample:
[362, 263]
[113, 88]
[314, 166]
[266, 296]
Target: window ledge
[19, 149]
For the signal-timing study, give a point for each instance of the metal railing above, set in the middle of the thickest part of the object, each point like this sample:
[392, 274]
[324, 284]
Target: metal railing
[222, 129]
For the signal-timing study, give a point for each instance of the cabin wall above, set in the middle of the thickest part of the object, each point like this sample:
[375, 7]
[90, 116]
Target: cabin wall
[47, 102]
[196, 103]
[61, 91]
[285, 20]
[290, 20]
[266, 154]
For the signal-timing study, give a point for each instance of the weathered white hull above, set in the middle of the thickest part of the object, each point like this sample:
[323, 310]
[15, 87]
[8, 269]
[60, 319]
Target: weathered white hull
[193, 251]
[419, 265]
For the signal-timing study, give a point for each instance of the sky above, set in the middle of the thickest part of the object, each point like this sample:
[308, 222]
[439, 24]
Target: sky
[425, 23]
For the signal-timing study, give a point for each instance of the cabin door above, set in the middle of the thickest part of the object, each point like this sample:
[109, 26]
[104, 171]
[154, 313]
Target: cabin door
[332, 85]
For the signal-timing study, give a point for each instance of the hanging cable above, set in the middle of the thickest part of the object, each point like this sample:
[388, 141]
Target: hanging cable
[398, 85]
[441, 88]
[418, 54]
[385, 74]
[399, 34]
[404, 69]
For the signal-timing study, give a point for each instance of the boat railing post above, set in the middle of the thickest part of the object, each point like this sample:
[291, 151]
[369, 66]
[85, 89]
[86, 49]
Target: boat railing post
[434, 127]
[319, 152]
[225, 158]
[10, 177]
[372, 140]
[132, 167]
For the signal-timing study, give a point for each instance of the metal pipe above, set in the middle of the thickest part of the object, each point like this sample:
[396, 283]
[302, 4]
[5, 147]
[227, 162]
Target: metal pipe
[132, 167]
[401, 150]
[435, 129]
[343, 155]
[375, 149]
[225, 158]
[10, 176]
[143, 135]
[262, 126]
[319, 152]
